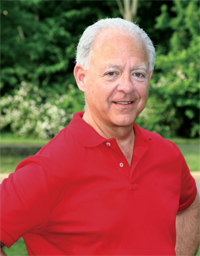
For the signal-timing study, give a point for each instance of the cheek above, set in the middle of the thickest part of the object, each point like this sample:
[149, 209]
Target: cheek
[143, 91]
[94, 94]
[102, 92]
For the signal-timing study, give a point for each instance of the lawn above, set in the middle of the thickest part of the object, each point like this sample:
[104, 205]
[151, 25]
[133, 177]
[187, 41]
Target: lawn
[18, 249]
[189, 148]
[10, 139]
[192, 155]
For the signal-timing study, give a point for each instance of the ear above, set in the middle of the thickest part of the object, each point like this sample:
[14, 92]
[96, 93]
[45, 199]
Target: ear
[79, 74]
[150, 74]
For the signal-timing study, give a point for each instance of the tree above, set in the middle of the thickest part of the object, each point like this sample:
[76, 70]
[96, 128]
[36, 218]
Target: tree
[38, 48]
[128, 9]
[173, 107]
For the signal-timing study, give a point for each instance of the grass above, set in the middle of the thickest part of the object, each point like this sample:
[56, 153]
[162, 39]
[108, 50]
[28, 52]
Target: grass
[18, 249]
[9, 163]
[192, 155]
[189, 148]
[181, 141]
[10, 139]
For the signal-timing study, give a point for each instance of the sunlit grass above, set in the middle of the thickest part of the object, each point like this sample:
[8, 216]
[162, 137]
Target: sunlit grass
[192, 155]
[10, 139]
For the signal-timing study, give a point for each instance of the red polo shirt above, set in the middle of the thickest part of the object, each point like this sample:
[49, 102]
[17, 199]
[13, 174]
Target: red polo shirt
[79, 196]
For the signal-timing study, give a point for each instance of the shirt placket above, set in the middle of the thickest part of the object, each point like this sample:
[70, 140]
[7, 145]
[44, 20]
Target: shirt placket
[122, 163]
[141, 147]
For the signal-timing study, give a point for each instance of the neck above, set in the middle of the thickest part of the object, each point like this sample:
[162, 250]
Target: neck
[124, 136]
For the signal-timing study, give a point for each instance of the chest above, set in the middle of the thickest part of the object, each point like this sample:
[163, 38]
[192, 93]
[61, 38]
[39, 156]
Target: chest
[106, 203]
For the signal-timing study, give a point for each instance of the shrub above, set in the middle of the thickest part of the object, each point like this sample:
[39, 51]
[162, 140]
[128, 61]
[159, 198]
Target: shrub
[26, 113]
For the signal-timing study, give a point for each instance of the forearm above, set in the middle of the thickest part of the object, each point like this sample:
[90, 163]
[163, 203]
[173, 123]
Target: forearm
[1, 250]
[187, 230]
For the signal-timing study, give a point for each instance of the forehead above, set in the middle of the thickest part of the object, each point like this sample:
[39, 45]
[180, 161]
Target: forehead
[111, 43]
[111, 39]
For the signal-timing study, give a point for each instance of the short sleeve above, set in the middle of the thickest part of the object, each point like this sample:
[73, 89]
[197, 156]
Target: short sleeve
[24, 203]
[188, 187]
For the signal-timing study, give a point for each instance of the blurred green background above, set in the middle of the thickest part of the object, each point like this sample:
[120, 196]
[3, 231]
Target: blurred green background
[39, 38]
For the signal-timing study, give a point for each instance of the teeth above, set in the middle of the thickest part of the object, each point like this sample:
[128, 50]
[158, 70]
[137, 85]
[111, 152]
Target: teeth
[124, 103]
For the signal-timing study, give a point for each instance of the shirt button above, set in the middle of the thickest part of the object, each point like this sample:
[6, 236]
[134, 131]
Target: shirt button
[121, 165]
[108, 144]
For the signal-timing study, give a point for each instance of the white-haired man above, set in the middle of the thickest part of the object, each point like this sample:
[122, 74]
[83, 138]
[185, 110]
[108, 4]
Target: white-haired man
[103, 185]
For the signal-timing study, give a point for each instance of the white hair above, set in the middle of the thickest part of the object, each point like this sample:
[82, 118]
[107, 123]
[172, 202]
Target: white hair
[84, 48]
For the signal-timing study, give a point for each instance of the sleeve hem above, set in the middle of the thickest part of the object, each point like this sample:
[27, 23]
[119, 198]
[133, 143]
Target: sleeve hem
[7, 240]
[188, 203]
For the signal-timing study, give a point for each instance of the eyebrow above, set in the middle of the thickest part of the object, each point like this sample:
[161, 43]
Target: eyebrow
[118, 67]
[112, 66]
[140, 67]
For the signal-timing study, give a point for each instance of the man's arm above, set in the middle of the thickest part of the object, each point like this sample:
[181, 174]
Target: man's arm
[1, 251]
[188, 230]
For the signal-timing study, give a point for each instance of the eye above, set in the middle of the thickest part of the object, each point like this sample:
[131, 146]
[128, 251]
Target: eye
[111, 73]
[139, 75]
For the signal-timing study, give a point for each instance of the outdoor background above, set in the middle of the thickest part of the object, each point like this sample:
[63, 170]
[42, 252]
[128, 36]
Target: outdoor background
[38, 91]
[38, 45]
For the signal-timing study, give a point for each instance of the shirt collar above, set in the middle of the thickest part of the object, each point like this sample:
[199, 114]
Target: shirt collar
[142, 133]
[83, 132]
[88, 137]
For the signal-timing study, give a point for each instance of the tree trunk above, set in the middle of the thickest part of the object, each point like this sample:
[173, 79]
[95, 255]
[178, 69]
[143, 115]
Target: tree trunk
[128, 9]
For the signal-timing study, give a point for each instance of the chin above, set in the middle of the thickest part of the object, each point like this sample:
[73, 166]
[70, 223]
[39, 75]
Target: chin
[123, 120]
[124, 123]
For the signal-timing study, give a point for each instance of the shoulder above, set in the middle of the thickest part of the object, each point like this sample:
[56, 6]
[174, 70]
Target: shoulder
[58, 144]
[64, 142]
[158, 142]
[55, 157]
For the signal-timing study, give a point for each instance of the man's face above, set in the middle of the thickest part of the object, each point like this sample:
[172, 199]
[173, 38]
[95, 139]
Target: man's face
[116, 83]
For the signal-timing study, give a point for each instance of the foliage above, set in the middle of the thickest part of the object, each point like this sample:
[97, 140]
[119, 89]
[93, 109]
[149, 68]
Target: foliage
[173, 106]
[27, 114]
[39, 40]
[38, 51]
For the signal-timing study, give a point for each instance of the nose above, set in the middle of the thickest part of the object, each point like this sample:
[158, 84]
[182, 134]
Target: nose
[126, 85]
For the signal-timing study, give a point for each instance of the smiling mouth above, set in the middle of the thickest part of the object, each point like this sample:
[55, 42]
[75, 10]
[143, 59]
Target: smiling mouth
[123, 102]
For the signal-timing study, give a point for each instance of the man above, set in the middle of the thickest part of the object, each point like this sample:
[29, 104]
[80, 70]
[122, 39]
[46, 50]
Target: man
[103, 185]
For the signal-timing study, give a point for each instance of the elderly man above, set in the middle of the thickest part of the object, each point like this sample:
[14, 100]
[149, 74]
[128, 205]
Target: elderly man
[103, 185]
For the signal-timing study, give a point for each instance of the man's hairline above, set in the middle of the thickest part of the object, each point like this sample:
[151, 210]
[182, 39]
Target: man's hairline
[122, 31]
